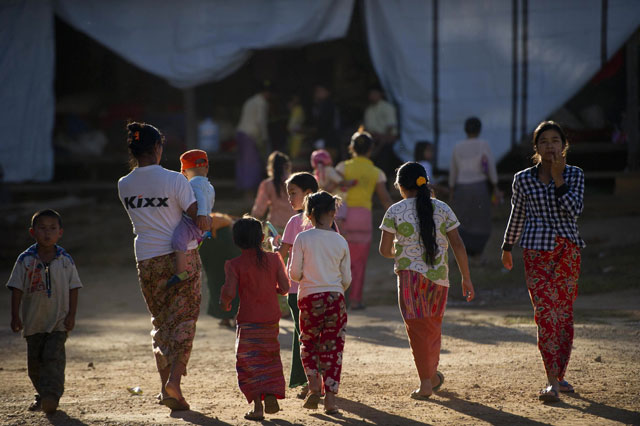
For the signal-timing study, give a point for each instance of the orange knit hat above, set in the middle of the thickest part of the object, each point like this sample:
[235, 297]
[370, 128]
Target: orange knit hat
[193, 158]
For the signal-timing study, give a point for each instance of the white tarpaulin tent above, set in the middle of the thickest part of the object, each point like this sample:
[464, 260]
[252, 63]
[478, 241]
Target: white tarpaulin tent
[197, 41]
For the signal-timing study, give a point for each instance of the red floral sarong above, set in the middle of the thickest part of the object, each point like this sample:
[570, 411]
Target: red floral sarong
[552, 280]
[323, 329]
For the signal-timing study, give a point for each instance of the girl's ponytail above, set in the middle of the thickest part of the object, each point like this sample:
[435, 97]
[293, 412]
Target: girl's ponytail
[277, 169]
[413, 176]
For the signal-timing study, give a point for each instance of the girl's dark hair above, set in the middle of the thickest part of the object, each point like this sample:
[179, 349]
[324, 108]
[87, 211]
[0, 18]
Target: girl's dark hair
[472, 126]
[361, 142]
[276, 165]
[418, 150]
[407, 177]
[304, 181]
[247, 234]
[543, 127]
[142, 138]
[319, 204]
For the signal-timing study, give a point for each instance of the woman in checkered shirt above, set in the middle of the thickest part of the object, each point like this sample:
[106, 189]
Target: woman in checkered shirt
[546, 202]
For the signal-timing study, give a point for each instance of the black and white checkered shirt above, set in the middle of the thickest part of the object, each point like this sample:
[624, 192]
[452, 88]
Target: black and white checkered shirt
[541, 212]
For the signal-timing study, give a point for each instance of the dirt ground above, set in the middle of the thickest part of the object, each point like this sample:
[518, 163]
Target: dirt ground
[489, 355]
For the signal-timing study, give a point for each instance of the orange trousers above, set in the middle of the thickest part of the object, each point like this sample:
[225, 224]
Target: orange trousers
[422, 304]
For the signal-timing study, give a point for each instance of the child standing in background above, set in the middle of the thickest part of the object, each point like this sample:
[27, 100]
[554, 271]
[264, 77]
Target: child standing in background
[320, 262]
[48, 276]
[259, 277]
[299, 185]
[194, 165]
[416, 232]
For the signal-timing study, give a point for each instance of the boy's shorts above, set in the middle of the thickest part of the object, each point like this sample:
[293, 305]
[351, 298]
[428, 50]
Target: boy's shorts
[185, 232]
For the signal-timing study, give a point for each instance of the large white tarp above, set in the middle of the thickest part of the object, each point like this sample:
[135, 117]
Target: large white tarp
[475, 61]
[187, 43]
[26, 90]
[196, 41]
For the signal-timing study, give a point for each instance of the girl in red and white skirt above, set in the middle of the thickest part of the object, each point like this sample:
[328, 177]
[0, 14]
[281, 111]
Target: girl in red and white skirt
[321, 264]
[547, 200]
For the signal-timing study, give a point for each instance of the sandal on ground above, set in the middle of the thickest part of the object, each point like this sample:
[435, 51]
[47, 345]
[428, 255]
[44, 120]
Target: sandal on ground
[565, 387]
[175, 404]
[36, 405]
[439, 385]
[332, 411]
[420, 397]
[311, 401]
[302, 394]
[548, 394]
[253, 416]
[271, 404]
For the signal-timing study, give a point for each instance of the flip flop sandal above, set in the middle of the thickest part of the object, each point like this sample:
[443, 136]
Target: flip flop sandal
[416, 395]
[311, 401]
[271, 404]
[175, 404]
[252, 416]
[441, 376]
[548, 394]
[332, 411]
[565, 387]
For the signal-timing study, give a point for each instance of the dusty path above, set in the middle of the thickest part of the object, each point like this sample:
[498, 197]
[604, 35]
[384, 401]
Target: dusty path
[489, 358]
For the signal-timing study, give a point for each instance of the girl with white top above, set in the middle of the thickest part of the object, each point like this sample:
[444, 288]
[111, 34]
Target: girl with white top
[416, 232]
[321, 264]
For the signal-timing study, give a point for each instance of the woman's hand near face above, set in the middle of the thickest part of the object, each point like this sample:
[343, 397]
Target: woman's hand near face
[557, 167]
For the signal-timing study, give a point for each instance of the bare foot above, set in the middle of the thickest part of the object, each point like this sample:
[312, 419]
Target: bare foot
[330, 403]
[173, 390]
[257, 414]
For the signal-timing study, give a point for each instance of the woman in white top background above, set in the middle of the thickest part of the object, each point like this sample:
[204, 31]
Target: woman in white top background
[473, 180]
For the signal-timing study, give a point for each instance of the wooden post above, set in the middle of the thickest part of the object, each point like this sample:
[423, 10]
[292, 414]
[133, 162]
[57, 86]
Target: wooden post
[633, 143]
[191, 119]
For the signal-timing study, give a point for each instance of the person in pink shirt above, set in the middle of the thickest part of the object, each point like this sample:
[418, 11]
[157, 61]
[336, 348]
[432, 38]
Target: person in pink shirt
[272, 193]
[259, 277]
[299, 185]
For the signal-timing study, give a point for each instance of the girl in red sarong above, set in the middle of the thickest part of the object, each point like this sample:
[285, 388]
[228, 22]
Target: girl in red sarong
[259, 277]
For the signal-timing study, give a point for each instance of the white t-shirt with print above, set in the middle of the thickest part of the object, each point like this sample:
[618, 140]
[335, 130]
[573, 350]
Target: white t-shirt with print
[401, 219]
[154, 199]
[44, 309]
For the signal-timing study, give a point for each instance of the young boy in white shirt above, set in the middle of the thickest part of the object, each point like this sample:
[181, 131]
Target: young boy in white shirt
[46, 276]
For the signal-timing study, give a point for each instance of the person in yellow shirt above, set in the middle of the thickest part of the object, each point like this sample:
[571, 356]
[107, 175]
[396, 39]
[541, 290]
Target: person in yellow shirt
[357, 226]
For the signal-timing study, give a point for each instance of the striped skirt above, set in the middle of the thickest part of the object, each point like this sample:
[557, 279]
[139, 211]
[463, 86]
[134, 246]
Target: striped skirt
[258, 360]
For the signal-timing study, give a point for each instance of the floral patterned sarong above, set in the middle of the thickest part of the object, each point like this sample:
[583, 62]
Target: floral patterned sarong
[174, 312]
[552, 280]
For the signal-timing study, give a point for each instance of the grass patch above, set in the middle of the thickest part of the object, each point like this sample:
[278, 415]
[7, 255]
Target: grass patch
[519, 320]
